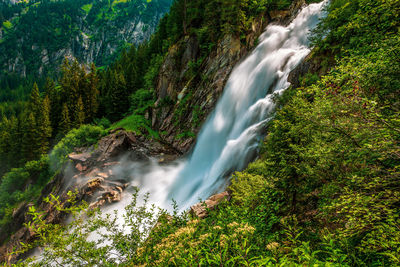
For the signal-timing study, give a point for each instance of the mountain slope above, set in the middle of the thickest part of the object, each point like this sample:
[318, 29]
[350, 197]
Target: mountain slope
[37, 35]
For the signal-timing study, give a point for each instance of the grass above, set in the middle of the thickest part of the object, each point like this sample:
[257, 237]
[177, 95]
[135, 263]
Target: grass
[137, 124]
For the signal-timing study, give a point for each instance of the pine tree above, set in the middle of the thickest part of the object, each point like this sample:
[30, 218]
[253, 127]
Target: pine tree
[79, 116]
[65, 122]
[30, 144]
[44, 126]
[34, 100]
[14, 149]
[69, 82]
[55, 103]
[91, 101]
[118, 96]
[5, 140]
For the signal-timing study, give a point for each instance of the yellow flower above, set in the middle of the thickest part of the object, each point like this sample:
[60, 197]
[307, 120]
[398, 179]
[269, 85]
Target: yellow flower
[204, 237]
[233, 225]
[218, 228]
[272, 246]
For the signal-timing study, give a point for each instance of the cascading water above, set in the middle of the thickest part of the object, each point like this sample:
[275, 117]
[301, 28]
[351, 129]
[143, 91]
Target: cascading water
[232, 134]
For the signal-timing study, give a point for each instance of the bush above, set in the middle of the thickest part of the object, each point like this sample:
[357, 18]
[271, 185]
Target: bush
[86, 135]
[19, 185]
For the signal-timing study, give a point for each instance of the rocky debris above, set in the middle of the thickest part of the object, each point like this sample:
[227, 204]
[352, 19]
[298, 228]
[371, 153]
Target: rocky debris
[112, 147]
[92, 177]
[82, 157]
[118, 142]
[111, 191]
[201, 209]
[80, 167]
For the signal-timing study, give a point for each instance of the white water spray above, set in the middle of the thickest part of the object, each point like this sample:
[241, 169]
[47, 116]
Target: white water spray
[231, 136]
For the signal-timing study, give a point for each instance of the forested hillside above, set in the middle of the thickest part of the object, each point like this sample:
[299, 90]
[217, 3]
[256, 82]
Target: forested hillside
[324, 190]
[35, 36]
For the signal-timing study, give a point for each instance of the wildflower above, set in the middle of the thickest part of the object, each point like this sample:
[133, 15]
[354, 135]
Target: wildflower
[272, 246]
[204, 237]
[217, 228]
[233, 225]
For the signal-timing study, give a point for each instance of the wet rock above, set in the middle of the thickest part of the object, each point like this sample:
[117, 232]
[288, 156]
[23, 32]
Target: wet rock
[118, 143]
[82, 157]
[110, 194]
[201, 209]
[93, 172]
[103, 175]
[80, 167]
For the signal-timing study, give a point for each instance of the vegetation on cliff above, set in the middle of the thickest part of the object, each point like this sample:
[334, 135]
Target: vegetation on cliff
[103, 96]
[325, 189]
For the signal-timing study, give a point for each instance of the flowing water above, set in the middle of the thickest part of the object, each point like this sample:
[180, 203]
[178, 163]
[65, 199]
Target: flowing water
[232, 134]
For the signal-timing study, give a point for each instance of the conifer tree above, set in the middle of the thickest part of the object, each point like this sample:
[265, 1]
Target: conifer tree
[91, 101]
[79, 116]
[69, 82]
[55, 103]
[118, 95]
[30, 144]
[65, 122]
[44, 126]
[5, 140]
[14, 145]
[34, 101]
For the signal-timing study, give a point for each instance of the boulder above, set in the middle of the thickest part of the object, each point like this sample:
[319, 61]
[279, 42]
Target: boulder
[115, 145]
[81, 157]
[201, 209]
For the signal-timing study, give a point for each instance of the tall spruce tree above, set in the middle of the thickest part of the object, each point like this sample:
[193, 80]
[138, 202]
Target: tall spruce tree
[30, 142]
[79, 115]
[65, 122]
[92, 92]
[34, 101]
[55, 103]
[44, 126]
[118, 95]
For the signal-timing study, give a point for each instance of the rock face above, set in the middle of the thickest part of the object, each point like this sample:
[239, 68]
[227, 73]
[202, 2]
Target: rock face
[95, 37]
[90, 171]
[201, 209]
[185, 101]
[312, 64]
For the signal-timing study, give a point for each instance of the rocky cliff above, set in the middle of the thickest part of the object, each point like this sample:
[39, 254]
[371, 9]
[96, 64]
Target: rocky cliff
[191, 98]
[39, 36]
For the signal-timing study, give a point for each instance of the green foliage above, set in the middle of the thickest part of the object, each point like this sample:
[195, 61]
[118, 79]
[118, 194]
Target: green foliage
[21, 185]
[137, 124]
[325, 189]
[25, 37]
[103, 122]
[86, 135]
[69, 244]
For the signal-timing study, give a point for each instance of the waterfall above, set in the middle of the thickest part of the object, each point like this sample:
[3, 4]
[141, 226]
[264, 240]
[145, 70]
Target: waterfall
[231, 136]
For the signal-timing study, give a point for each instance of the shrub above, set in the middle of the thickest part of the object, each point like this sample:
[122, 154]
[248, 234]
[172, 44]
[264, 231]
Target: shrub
[86, 135]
